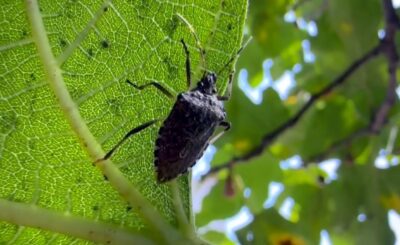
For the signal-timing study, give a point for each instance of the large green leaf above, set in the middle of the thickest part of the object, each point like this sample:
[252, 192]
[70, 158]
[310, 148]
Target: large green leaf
[273, 38]
[250, 122]
[41, 161]
[226, 205]
[269, 227]
[252, 178]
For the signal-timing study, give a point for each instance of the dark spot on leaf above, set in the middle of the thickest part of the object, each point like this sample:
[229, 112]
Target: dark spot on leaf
[230, 27]
[105, 44]
[114, 106]
[105, 177]
[95, 208]
[171, 25]
[105, 9]
[172, 70]
[8, 122]
[32, 76]
[32, 144]
[144, 3]
[75, 92]
[223, 4]
[128, 208]
[32, 104]
[63, 43]
[90, 53]
[24, 33]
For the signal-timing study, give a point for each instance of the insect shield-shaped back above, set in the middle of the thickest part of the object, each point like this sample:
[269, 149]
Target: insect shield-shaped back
[191, 123]
[187, 131]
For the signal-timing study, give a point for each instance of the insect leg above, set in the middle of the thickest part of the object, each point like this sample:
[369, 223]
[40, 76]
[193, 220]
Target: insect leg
[236, 55]
[229, 89]
[226, 125]
[198, 43]
[227, 96]
[129, 134]
[155, 84]
[188, 71]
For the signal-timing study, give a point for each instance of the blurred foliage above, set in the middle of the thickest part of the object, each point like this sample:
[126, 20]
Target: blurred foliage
[346, 30]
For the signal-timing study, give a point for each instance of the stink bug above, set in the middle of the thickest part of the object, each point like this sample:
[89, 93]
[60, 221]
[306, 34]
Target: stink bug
[191, 123]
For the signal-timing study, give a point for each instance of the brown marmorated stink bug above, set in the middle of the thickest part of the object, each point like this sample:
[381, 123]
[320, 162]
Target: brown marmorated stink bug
[191, 123]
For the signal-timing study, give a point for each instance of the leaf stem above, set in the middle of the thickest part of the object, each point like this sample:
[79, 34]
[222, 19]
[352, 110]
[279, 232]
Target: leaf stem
[33, 216]
[186, 227]
[179, 211]
[88, 141]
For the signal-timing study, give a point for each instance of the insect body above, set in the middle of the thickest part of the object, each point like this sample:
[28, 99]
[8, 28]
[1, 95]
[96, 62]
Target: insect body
[187, 131]
[190, 125]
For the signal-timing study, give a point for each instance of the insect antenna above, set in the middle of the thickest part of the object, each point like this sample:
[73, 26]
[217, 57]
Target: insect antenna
[235, 55]
[198, 43]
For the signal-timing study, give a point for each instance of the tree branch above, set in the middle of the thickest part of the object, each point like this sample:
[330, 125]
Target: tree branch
[387, 47]
[390, 51]
[273, 135]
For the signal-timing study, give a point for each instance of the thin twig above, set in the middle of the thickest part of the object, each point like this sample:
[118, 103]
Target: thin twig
[390, 51]
[387, 47]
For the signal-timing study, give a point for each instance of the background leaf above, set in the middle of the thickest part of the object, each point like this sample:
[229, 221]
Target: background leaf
[330, 174]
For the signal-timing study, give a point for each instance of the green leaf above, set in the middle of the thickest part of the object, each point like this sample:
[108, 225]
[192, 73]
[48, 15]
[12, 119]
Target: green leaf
[218, 205]
[273, 38]
[329, 121]
[42, 161]
[250, 122]
[270, 228]
[256, 175]
[366, 187]
[217, 238]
